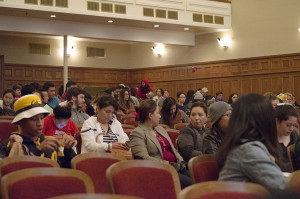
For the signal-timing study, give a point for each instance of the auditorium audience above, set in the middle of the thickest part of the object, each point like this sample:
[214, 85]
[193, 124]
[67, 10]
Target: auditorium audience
[159, 95]
[273, 99]
[219, 97]
[103, 132]
[291, 100]
[149, 141]
[59, 122]
[75, 96]
[170, 115]
[134, 95]
[286, 121]
[190, 139]
[27, 90]
[8, 102]
[44, 97]
[251, 151]
[204, 92]
[17, 89]
[88, 101]
[165, 96]
[30, 117]
[189, 97]
[180, 101]
[35, 85]
[219, 114]
[145, 91]
[53, 101]
[125, 103]
[233, 97]
[69, 84]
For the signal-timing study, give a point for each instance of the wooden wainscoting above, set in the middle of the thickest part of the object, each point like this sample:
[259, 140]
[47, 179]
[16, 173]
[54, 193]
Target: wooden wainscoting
[24, 74]
[279, 73]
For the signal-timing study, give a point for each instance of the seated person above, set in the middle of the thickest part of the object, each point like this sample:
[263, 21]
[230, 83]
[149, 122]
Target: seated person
[170, 115]
[8, 102]
[180, 101]
[251, 152]
[286, 121]
[75, 96]
[149, 141]
[89, 108]
[103, 132]
[190, 139]
[125, 103]
[219, 115]
[60, 123]
[30, 117]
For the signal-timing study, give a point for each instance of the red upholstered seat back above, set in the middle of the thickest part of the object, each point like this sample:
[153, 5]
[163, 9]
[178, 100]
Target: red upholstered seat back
[42, 187]
[148, 183]
[21, 165]
[6, 129]
[231, 195]
[173, 134]
[96, 169]
[206, 171]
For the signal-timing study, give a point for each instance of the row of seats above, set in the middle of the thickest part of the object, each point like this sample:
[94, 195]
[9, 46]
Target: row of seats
[23, 177]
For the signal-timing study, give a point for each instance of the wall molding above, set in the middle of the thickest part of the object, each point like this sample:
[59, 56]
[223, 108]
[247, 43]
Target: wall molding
[276, 73]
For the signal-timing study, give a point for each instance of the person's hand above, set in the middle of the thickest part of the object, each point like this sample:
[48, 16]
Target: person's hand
[119, 145]
[49, 143]
[67, 141]
[15, 138]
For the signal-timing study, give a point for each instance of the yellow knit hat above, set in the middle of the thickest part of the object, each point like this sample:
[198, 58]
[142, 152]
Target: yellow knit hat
[27, 107]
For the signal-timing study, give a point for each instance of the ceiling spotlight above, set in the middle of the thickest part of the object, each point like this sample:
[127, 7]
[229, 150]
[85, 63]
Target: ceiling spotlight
[299, 29]
[52, 16]
[110, 21]
[156, 26]
[186, 29]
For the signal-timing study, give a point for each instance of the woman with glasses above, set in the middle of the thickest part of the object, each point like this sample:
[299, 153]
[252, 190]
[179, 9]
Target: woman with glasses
[190, 139]
[219, 114]
[180, 103]
[103, 132]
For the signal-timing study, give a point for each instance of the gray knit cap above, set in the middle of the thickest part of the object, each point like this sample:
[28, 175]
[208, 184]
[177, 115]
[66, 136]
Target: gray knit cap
[198, 95]
[217, 110]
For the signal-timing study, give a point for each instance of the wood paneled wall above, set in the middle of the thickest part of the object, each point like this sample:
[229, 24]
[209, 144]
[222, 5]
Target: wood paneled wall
[280, 73]
[16, 73]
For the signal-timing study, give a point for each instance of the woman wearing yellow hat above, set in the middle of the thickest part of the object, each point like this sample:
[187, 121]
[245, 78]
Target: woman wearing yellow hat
[30, 117]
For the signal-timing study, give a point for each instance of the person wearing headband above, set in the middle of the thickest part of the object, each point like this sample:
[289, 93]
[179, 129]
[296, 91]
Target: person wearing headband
[30, 117]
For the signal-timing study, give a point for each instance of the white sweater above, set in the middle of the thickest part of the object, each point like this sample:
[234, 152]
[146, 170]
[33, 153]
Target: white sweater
[89, 142]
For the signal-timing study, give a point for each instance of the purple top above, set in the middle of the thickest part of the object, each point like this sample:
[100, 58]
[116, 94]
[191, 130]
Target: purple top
[166, 148]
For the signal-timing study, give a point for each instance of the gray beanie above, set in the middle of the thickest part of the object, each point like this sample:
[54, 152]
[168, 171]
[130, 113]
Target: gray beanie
[198, 95]
[217, 110]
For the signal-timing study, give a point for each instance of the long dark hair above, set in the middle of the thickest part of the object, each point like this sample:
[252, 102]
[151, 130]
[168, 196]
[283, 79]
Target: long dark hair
[166, 108]
[189, 96]
[230, 97]
[144, 89]
[252, 119]
[125, 104]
